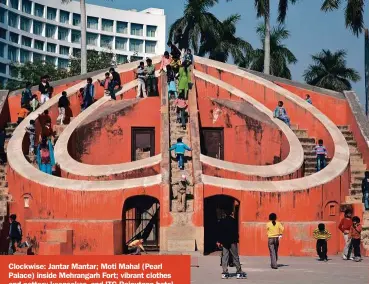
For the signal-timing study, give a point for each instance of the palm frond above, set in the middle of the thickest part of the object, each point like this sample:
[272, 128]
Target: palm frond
[330, 5]
[354, 16]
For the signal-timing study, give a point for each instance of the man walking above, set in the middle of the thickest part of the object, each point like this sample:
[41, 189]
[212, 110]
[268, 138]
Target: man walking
[228, 241]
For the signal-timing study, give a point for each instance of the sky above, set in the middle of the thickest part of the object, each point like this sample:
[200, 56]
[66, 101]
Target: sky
[311, 30]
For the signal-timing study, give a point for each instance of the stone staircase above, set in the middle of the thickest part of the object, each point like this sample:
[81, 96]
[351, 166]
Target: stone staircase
[181, 235]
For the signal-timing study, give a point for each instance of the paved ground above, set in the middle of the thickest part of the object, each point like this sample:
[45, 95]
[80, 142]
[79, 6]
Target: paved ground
[300, 270]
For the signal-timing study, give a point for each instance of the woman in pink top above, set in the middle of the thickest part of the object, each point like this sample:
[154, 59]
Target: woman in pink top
[165, 60]
[181, 105]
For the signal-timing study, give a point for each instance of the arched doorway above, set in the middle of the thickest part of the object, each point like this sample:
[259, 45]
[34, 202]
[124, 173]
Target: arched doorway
[141, 221]
[214, 210]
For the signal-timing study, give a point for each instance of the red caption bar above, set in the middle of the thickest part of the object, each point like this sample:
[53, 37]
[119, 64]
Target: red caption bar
[95, 269]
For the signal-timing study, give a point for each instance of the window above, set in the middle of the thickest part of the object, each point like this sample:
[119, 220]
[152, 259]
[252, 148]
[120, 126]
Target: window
[50, 59]
[12, 20]
[51, 13]
[2, 68]
[107, 25]
[13, 37]
[39, 10]
[92, 23]
[14, 4]
[13, 71]
[37, 28]
[37, 57]
[92, 39]
[26, 41]
[76, 20]
[136, 29]
[51, 47]
[39, 45]
[2, 15]
[150, 46]
[12, 53]
[76, 36]
[106, 41]
[136, 58]
[2, 33]
[25, 56]
[26, 6]
[122, 27]
[63, 50]
[3, 2]
[64, 17]
[63, 34]
[121, 43]
[76, 52]
[135, 45]
[121, 59]
[50, 31]
[151, 31]
[63, 63]
[25, 24]
[2, 48]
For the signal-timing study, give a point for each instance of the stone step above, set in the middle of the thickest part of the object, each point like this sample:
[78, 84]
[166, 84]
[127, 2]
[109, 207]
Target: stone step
[349, 138]
[307, 140]
[9, 130]
[343, 127]
[353, 199]
[294, 127]
[301, 133]
[12, 124]
[358, 167]
[356, 191]
[308, 146]
[189, 205]
[352, 143]
[346, 132]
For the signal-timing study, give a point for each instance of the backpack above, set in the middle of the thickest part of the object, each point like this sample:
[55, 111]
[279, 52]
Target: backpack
[45, 156]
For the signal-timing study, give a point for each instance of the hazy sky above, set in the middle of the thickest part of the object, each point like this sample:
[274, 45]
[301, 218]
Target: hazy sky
[311, 30]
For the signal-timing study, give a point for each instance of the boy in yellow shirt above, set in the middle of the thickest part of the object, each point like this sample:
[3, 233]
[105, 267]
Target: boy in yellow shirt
[322, 236]
[274, 230]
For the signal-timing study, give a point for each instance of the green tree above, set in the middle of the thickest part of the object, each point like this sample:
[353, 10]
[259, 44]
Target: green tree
[197, 23]
[220, 47]
[329, 71]
[354, 13]
[280, 55]
[95, 61]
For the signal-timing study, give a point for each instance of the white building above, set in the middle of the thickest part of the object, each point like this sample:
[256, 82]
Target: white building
[48, 30]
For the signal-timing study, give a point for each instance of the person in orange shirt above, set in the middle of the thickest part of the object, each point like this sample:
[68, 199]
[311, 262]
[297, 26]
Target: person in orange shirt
[22, 114]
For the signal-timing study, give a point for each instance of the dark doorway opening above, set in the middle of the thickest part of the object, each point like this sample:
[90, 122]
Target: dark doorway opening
[143, 143]
[214, 210]
[212, 142]
[141, 220]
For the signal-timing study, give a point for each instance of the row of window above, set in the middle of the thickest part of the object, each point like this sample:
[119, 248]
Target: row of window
[92, 22]
[92, 40]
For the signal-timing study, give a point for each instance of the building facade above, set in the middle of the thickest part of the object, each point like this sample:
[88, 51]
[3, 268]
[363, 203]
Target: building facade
[48, 30]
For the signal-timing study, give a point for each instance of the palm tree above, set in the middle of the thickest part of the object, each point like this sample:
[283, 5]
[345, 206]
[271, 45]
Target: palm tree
[280, 55]
[83, 34]
[329, 71]
[226, 43]
[197, 23]
[354, 13]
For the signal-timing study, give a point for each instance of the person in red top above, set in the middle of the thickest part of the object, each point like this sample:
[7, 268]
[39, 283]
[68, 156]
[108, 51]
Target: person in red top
[355, 237]
[344, 227]
[181, 105]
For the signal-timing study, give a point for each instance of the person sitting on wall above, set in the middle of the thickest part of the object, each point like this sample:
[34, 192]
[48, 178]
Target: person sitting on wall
[321, 155]
[34, 103]
[45, 156]
[106, 84]
[114, 82]
[22, 114]
[150, 78]
[43, 87]
[89, 94]
[165, 61]
[365, 190]
[136, 247]
[281, 113]
[27, 96]
[180, 149]
[308, 99]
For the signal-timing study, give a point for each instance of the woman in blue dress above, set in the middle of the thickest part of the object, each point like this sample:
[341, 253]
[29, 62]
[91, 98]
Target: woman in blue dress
[45, 156]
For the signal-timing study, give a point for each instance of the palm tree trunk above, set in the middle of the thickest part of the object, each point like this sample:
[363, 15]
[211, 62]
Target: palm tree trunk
[267, 39]
[83, 37]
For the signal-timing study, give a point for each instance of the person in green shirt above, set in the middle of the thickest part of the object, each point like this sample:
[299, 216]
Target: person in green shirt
[183, 79]
[151, 79]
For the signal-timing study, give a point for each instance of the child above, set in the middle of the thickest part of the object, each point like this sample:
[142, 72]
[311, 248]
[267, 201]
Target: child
[182, 191]
[321, 155]
[141, 76]
[22, 114]
[171, 77]
[281, 113]
[27, 96]
[355, 236]
[62, 105]
[322, 236]
[34, 103]
[181, 105]
[31, 130]
[274, 232]
[80, 97]
[135, 247]
[180, 149]
[106, 83]
[308, 99]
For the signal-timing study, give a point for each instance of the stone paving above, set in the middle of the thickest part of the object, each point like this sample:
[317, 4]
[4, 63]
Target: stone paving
[301, 270]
